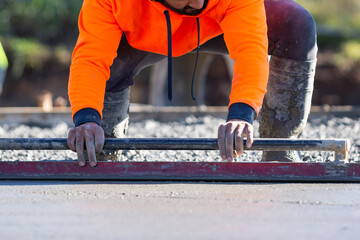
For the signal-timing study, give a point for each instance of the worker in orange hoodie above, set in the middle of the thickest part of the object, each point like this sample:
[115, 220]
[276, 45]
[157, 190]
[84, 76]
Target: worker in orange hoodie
[118, 38]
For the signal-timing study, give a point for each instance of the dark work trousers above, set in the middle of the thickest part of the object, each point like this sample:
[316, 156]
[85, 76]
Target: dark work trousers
[291, 34]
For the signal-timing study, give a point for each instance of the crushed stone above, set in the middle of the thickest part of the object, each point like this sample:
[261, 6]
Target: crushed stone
[189, 127]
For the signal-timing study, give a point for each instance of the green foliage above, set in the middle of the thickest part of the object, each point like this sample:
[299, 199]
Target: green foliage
[36, 32]
[343, 16]
[348, 55]
[50, 21]
[33, 56]
[352, 50]
[27, 54]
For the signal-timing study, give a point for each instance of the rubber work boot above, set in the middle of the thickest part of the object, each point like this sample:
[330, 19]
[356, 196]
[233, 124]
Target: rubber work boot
[287, 103]
[115, 119]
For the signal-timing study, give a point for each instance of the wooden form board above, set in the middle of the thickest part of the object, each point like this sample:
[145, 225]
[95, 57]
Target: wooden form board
[182, 171]
[141, 112]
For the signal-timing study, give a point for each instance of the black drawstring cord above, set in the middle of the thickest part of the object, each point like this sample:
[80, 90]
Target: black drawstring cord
[167, 16]
[196, 61]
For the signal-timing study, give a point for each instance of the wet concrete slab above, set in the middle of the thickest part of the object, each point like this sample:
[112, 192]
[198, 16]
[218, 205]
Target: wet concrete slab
[175, 210]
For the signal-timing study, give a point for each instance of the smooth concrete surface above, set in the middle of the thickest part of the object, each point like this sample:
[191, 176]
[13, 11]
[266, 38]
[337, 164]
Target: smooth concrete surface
[165, 210]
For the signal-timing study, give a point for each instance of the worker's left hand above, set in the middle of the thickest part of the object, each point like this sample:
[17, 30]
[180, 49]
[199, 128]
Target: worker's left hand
[234, 130]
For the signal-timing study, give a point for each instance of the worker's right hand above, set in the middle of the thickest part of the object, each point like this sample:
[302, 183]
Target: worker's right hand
[231, 138]
[90, 135]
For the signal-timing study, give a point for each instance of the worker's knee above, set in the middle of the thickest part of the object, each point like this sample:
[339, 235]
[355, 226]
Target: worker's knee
[303, 33]
[292, 31]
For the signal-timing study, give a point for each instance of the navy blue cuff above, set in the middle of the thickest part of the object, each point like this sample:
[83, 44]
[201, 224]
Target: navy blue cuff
[86, 115]
[241, 111]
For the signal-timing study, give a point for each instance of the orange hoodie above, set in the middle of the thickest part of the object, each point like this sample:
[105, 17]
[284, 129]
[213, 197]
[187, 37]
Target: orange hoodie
[102, 23]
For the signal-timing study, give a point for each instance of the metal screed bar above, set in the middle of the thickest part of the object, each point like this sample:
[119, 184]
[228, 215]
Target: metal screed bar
[339, 146]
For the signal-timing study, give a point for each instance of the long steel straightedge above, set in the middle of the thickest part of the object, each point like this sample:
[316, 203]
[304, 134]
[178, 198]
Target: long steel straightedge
[339, 146]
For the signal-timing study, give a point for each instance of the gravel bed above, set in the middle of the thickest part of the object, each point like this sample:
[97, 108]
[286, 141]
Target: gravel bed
[204, 127]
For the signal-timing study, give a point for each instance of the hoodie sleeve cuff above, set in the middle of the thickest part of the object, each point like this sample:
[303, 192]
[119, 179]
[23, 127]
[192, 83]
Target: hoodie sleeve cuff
[241, 111]
[86, 115]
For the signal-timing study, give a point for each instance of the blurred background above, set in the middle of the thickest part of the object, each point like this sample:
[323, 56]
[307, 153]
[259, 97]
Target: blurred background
[38, 37]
